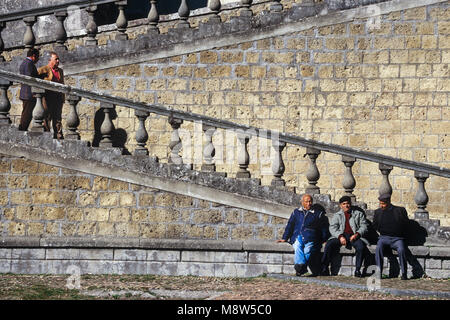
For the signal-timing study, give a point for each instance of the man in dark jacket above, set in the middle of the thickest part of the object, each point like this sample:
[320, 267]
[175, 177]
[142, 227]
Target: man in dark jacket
[306, 230]
[28, 68]
[391, 222]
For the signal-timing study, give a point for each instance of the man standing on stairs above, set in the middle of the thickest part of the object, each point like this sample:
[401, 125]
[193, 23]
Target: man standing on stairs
[306, 230]
[28, 68]
[53, 101]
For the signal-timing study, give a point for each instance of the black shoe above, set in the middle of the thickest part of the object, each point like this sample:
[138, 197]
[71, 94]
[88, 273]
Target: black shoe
[404, 277]
[358, 274]
[300, 269]
[325, 271]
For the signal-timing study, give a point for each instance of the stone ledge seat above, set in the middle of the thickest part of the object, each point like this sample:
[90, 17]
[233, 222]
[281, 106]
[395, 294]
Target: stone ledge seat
[218, 258]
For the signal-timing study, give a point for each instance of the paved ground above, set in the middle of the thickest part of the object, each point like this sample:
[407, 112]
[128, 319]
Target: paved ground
[271, 287]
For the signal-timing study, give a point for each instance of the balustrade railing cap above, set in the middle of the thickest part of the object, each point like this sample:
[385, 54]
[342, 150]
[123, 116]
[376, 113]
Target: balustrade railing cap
[106, 105]
[348, 159]
[73, 97]
[419, 174]
[30, 19]
[141, 113]
[61, 13]
[37, 90]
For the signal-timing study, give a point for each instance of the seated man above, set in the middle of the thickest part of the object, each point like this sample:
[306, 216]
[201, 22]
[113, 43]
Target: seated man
[348, 228]
[391, 222]
[306, 230]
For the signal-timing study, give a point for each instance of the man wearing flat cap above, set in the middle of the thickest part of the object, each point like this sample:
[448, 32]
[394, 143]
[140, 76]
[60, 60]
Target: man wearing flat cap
[347, 228]
[391, 222]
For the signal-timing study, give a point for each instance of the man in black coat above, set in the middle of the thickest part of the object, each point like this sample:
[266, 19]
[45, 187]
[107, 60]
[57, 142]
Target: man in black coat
[28, 68]
[392, 223]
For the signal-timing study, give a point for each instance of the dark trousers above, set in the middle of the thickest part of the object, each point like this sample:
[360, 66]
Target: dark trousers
[396, 243]
[27, 113]
[332, 248]
[53, 110]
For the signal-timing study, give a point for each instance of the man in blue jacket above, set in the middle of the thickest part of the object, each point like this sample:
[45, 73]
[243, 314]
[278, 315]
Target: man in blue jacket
[28, 68]
[306, 230]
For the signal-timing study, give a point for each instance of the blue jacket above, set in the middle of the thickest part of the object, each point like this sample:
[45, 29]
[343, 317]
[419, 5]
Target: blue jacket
[27, 68]
[312, 225]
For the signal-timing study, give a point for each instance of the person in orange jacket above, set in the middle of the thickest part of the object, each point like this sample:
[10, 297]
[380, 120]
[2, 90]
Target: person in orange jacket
[53, 101]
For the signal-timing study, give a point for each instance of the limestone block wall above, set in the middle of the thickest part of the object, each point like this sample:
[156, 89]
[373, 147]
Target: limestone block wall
[38, 200]
[378, 84]
[212, 258]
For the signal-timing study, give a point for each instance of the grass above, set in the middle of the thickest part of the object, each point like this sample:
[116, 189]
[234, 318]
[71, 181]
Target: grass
[54, 287]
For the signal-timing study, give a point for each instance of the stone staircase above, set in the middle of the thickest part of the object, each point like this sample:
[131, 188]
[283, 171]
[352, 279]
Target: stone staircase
[185, 33]
[241, 191]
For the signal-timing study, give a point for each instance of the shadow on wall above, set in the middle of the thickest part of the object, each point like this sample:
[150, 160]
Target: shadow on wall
[119, 137]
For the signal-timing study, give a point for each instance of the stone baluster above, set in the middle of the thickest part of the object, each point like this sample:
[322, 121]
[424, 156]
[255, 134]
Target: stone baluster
[38, 111]
[278, 167]
[153, 17]
[349, 181]
[122, 22]
[107, 128]
[209, 151]
[5, 105]
[276, 6]
[2, 44]
[243, 156]
[246, 11]
[61, 34]
[183, 12]
[175, 144]
[91, 27]
[385, 186]
[214, 6]
[73, 121]
[421, 197]
[313, 173]
[141, 133]
[29, 39]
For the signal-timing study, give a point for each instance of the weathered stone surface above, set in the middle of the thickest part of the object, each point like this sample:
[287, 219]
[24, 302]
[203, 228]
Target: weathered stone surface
[440, 251]
[163, 255]
[265, 258]
[27, 254]
[261, 245]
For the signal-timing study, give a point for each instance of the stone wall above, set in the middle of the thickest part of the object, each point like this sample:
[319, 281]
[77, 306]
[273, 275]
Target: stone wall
[38, 200]
[226, 258]
[375, 84]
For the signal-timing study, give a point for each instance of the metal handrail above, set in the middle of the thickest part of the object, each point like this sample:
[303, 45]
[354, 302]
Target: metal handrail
[229, 125]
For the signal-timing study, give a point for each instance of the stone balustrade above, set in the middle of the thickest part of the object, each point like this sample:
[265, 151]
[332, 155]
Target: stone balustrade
[86, 14]
[243, 133]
